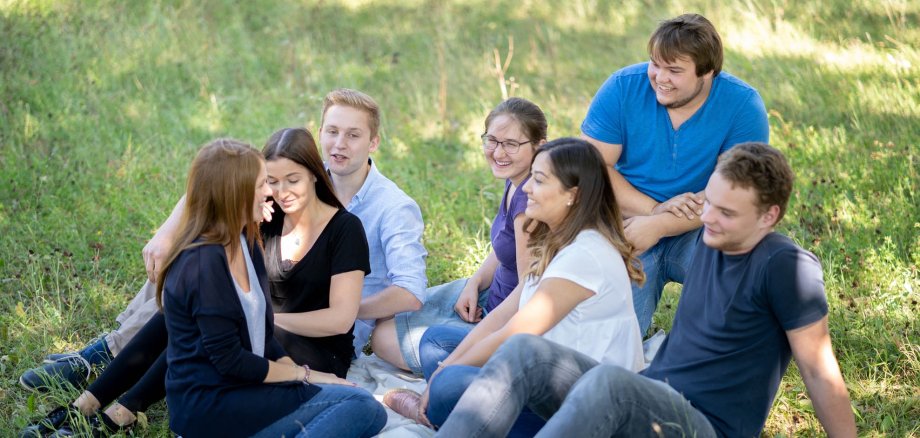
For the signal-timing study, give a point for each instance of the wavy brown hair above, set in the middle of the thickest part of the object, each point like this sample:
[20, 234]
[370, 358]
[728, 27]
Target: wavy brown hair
[219, 201]
[576, 163]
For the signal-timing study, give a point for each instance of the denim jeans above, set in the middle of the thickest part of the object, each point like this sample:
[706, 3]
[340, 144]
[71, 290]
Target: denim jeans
[667, 261]
[580, 397]
[437, 310]
[437, 343]
[337, 411]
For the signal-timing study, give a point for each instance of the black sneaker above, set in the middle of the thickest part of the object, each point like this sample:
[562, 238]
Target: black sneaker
[57, 418]
[100, 426]
[72, 369]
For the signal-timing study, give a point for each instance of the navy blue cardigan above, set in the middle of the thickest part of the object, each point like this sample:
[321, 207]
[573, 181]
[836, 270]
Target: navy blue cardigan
[214, 381]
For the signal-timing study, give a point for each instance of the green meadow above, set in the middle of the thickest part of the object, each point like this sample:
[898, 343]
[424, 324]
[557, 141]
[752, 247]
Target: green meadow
[103, 104]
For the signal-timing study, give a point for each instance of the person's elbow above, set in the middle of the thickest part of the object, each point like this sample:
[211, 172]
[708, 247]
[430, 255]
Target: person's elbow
[410, 294]
[413, 304]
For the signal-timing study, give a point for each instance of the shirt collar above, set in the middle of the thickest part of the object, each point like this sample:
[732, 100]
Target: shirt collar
[372, 176]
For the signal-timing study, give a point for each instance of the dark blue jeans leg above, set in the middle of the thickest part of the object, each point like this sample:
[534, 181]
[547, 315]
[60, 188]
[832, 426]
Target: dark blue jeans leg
[437, 343]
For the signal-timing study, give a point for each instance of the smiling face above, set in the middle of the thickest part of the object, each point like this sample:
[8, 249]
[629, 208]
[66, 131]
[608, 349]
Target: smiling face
[263, 191]
[292, 185]
[732, 220]
[505, 165]
[346, 139]
[676, 84]
[548, 201]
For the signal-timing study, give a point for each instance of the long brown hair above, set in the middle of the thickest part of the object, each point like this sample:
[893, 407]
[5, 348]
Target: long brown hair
[578, 164]
[219, 201]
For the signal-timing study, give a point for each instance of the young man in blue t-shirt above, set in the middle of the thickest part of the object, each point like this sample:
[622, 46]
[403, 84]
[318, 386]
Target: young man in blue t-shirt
[660, 126]
[752, 299]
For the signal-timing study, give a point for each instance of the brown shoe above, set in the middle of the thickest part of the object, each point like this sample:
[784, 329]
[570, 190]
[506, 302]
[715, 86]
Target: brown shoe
[405, 402]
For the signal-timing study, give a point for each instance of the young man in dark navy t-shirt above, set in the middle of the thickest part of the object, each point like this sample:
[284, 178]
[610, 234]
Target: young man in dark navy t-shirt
[752, 300]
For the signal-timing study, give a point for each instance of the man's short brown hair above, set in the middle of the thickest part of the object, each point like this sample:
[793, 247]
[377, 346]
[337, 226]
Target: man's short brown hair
[761, 167]
[357, 100]
[690, 35]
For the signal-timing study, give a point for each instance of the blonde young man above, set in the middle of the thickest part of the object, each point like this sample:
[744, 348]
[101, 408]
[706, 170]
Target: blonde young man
[392, 222]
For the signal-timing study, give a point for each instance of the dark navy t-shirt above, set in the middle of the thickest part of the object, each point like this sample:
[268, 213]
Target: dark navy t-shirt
[728, 350]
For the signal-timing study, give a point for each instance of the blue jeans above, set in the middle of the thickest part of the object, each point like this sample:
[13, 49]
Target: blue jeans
[437, 310]
[444, 392]
[667, 261]
[336, 411]
[580, 397]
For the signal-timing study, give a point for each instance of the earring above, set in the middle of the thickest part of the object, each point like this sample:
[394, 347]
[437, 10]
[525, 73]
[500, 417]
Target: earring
[569, 204]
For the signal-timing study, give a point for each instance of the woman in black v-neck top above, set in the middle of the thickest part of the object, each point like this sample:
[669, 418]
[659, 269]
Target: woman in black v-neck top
[315, 287]
[304, 286]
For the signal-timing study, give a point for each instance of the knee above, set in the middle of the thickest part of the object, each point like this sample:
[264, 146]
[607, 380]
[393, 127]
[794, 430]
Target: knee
[368, 410]
[437, 343]
[379, 420]
[609, 378]
[437, 336]
[383, 337]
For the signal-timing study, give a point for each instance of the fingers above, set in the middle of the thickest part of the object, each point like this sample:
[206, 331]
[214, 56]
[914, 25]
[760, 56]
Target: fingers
[687, 205]
[460, 308]
[340, 381]
[471, 310]
[267, 211]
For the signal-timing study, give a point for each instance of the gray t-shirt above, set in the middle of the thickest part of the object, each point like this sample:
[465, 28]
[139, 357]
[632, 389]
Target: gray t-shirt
[253, 304]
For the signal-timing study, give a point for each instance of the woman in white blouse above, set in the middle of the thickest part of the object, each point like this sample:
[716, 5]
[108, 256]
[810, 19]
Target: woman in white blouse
[576, 292]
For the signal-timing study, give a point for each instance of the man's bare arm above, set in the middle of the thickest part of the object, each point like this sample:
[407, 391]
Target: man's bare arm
[632, 202]
[811, 347]
[388, 302]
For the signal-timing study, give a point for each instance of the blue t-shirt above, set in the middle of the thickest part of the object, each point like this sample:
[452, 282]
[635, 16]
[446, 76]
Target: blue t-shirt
[657, 160]
[728, 349]
[503, 243]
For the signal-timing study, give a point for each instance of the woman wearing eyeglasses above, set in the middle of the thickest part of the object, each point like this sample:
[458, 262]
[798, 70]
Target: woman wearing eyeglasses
[513, 131]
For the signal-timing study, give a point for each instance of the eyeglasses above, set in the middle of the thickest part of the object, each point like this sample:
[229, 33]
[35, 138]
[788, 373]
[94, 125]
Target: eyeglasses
[490, 143]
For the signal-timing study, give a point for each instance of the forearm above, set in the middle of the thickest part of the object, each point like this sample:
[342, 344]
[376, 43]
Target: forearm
[492, 323]
[315, 324]
[831, 400]
[168, 228]
[670, 225]
[388, 302]
[631, 201]
[476, 354]
[483, 276]
[284, 372]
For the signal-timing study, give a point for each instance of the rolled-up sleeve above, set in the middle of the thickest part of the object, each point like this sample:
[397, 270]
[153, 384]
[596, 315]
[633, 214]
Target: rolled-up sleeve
[401, 231]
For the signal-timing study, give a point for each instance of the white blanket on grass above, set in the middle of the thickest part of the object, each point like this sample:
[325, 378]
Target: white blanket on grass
[378, 377]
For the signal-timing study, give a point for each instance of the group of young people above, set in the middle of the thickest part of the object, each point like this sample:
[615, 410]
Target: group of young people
[275, 270]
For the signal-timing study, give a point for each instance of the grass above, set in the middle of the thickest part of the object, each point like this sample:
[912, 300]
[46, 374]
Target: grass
[103, 104]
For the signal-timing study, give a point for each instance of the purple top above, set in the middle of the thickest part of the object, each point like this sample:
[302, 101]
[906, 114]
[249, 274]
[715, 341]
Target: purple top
[506, 275]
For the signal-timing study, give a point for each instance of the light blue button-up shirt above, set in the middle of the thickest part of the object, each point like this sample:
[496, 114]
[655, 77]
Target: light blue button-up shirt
[393, 225]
